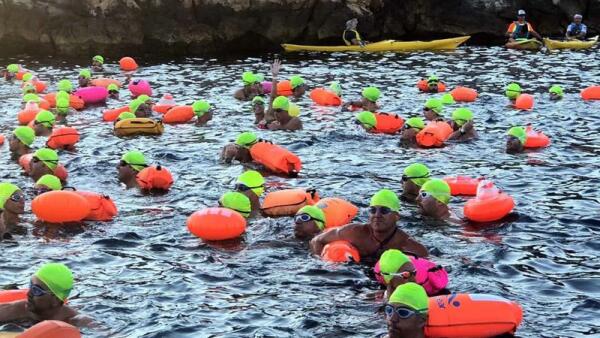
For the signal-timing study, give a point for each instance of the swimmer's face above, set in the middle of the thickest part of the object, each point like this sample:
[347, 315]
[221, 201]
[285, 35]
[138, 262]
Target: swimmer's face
[382, 219]
[410, 190]
[299, 91]
[83, 81]
[280, 114]
[306, 230]
[578, 20]
[429, 114]
[407, 273]
[41, 299]
[125, 171]
[409, 134]
[38, 169]
[429, 206]
[40, 129]
[14, 144]
[403, 327]
[513, 145]
[554, 97]
[15, 203]
[259, 112]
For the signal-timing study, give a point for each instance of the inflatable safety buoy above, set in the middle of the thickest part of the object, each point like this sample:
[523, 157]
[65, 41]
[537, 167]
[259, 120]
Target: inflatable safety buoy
[28, 114]
[155, 177]
[462, 185]
[40, 86]
[2, 139]
[51, 329]
[25, 163]
[325, 97]
[179, 114]
[340, 252]
[60, 207]
[75, 101]
[535, 139]
[216, 224]
[591, 93]
[63, 137]
[337, 211]
[105, 82]
[276, 158]
[388, 123]
[102, 208]
[472, 315]
[113, 114]
[138, 126]
[9, 296]
[431, 276]
[524, 102]
[91, 95]
[140, 87]
[489, 205]
[464, 94]
[287, 202]
[128, 64]
[422, 86]
[284, 88]
[434, 134]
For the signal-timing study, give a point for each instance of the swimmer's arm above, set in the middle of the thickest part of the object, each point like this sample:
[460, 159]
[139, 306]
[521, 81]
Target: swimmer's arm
[239, 94]
[274, 72]
[346, 232]
[357, 104]
[10, 312]
[415, 247]
[83, 321]
[2, 230]
[294, 124]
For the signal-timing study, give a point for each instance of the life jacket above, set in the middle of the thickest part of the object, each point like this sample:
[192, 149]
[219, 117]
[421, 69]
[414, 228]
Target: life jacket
[521, 31]
[349, 43]
[575, 29]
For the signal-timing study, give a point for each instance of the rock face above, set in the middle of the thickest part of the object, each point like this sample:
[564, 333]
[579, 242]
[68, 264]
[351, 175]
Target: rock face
[196, 27]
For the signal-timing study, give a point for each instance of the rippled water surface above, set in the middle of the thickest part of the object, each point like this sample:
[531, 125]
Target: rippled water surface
[144, 275]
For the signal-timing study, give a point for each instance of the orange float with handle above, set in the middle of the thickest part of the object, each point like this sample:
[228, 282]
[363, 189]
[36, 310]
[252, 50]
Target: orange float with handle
[287, 202]
[463, 185]
[62, 138]
[28, 114]
[434, 134]
[284, 88]
[20, 74]
[9, 296]
[75, 101]
[51, 329]
[340, 252]
[179, 114]
[276, 158]
[154, 177]
[105, 82]
[25, 163]
[472, 316]
[591, 93]
[337, 211]
[216, 224]
[535, 139]
[60, 207]
[424, 87]
[113, 114]
[102, 207]
[489, 205]
[388, 123]
[524, 102]
[40, 86]
[325, 97]
[128, 64]
[464, 94]
[2, 139]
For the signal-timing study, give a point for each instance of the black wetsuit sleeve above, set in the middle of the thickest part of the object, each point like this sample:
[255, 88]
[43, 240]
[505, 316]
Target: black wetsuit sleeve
[349, 35]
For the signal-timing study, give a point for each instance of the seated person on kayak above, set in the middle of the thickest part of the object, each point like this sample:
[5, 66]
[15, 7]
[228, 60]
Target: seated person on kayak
[49, 288]
[351, 36]
[12, 204]
[277, 116]
[406, 311]
[380, 234]
[576, 30]
[521, 29]
[368, 102]
[252, 87]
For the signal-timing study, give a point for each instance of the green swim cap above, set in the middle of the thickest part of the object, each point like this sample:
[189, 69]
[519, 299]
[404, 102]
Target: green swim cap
[518, 132]
[58, 278]
[258, 100]
[253, 180]
[367, 119]
[371, 93]
[126, 115]
[135, 159]
[134, 105]
[99, 59]
[462, 116]
[418, 173]
[557, 90]
[24, 134]
[439, 189]
[200, 107]
[65, 85]
[45, 118]
[246, 139]
[28, 87]
[6, 190]
[50, 181]
[62, 102]
[281, 102]
[386, 198]
[27, 77]
[433, 79]
[112, 88]
[513, 90]
[435, 104]
[336, 88]
[85, 73]
[294, 110]
[144, 98]
[63, 95]
[31, 97]
[390, 263]
[13, 68]
[249, 78]
[237, 202]
[447, 99]
[48, 156]
[316, 213]
[296, 81]
[415, 122]
[412, 295]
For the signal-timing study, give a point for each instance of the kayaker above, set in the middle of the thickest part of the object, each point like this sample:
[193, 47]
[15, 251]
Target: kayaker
[351, 36]
[521, 29]
[576, 30]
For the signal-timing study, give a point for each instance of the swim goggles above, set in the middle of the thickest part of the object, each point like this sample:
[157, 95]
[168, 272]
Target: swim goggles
[382, 210]
[36, 290]
[402, 312]
[301, 218]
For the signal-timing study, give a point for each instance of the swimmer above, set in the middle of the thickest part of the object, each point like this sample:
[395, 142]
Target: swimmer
[515, 142]
[309, 222]
[12, 204]
[513, 90]
[433, 110]
[98, 63]
[43, 162]
[432, 84]
[85, 78]
[379, 234]
[29, 88]
[412, 126]
[576, 29]
[252, 184]
[406, 311]
[43, 123]
[113, 91]
[203, 110]
[298, 86]
[433, 199]
[20, 141]
[63, 107]
[368, 102]
[11, 72]
[556, 93]
[258, 106]
[277, 116]
[351, 36]
[240, 150]
[367, 121]
[462, 124]
[132, 162]
[47, 183]
[252, 87]
[396, 269]
[65, 86]
[139, 108]
[237, 202]
[415, 175]
[49, 288]
[447, 99]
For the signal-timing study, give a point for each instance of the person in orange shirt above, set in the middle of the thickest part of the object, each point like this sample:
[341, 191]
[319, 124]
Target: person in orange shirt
[521, 29]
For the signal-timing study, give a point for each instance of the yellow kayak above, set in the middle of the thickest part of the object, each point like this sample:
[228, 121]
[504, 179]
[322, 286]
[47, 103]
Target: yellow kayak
[573, 44]
[530, 44]
[383, 46]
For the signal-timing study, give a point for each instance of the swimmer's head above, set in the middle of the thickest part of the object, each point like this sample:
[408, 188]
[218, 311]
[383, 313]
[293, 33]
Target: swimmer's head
[85, 73]
[237, 202]
[461, 116]
[251, 180]
[200, 107]
[281, 103]
[367, 120]
[371, 93]
[246, 139]
[513, 90]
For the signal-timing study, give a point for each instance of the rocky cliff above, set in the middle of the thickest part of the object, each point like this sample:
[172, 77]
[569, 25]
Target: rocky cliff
[196, 27]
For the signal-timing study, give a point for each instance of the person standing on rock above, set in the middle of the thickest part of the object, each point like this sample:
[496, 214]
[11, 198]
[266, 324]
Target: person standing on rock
[576, 30]
[351, 36]
[521, 29]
